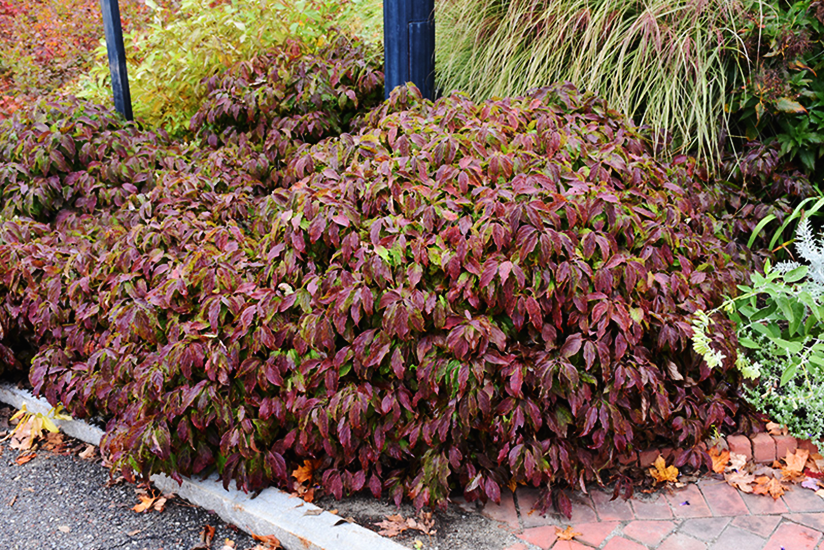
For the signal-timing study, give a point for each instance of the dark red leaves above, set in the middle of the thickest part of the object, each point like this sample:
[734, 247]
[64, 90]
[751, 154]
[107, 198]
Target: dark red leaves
[449, 296]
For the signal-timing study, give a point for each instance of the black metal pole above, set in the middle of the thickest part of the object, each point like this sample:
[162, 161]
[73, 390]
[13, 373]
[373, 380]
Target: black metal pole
[117, 57]
[409, 44]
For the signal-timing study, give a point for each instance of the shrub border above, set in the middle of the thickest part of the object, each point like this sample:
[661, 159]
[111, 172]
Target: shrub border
[294, 522]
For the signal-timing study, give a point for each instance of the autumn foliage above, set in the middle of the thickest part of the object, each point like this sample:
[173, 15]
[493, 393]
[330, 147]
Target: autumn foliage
[449, 296]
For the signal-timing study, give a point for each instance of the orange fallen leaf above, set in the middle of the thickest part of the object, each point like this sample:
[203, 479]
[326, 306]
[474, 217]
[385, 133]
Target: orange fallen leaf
[304, 473]
[567, 534]
[776, 429]
[145, 503]
[24, 458]
[270, 542]
[720, 459]
[768, 486]
[661, 472]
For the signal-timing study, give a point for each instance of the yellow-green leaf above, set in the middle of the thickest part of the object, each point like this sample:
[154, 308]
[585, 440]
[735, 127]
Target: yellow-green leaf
[788, 105]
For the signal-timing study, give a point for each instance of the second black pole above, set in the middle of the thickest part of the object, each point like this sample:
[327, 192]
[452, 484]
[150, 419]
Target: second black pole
[409, 44]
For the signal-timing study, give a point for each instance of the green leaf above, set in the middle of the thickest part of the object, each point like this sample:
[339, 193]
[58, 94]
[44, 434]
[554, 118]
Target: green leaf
[796, 274]
[788, 105]
[788, 373]
[747, 343]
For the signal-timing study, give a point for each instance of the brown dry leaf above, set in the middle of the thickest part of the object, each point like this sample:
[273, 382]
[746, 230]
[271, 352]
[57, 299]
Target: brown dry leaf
[741, 481]
[737, 461]
[567, 534]
[816, 463]
[24, 458]
[270, 542]
[54, 442]
[146, 503]
[160, 504]
[768, 486]
[661, 472]
[87, 453]
[795, 462]
[820, 493]
[425, 523]
[720, 459]
[776, 429]
[23, 438]
[392, 526]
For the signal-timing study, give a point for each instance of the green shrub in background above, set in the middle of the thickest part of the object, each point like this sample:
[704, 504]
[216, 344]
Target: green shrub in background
[170, 59]
[782, 100]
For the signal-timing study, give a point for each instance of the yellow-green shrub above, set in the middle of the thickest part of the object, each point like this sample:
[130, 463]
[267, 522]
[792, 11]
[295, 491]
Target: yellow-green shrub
[169, 59]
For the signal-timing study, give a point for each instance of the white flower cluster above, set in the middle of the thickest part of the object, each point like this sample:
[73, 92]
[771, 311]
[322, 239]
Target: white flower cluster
[701, 342]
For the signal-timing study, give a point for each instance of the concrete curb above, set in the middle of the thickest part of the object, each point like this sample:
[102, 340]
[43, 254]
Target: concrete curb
[297, 524]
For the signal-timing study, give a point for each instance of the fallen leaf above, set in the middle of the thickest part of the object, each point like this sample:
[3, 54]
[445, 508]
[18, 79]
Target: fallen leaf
[315, 512]
[810, 484]
[392, 526]
[739, 480]
[64, 528]
[768, 486]
[820, 493]
[720, 459]
[737, 462]
[270, 542]
[228, 544]
[661, 472]
[776, 429]
[160, 504]
[87, 453]
[24, 458]
[567, 534]
[304, 473]
[145, 503]
[795, 461]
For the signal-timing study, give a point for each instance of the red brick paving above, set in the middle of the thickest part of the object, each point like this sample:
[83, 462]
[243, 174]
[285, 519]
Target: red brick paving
[620, 543]
[655, 508]
[595, 533]
[705, 529]
[790, 536]
[722, 498]
[688, 503]
[762, 526]
[813, 521]
[543, 537]
[763, 505]
[708, 515]
[680, 541]
[611, 510]
[799, 499]
[649, 532]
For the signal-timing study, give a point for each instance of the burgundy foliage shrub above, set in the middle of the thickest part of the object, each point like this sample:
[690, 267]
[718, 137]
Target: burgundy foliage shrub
[281, 99]
[456, 296]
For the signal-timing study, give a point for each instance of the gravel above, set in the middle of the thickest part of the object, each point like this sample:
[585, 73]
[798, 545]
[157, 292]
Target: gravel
[62, 502]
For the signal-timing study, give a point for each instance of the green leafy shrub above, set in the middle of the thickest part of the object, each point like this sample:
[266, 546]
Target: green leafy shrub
[780, 324]
[170, 59]
[74, 154]
[281, 99]
[459, 296]
[782, 100]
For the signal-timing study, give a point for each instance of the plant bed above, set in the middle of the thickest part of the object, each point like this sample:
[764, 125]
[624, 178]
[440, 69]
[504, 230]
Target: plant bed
[454, 295]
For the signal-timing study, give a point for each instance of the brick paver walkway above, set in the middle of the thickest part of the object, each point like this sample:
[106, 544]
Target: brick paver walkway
[709, 515]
